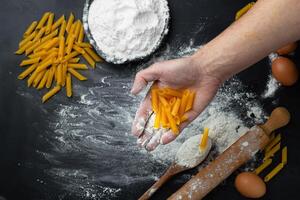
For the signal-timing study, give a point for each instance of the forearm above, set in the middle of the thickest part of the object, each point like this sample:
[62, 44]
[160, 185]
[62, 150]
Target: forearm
[269, 25]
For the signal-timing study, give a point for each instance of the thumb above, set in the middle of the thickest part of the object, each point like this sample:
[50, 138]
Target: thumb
[142, 78]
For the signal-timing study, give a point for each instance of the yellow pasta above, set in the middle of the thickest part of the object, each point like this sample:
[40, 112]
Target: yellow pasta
[81, 35]
[244, 10]
[176, 106]
[204, 139]
[29, 61]
[76, 74]
[59, 74]
[50, 36]
[49, 23]
[172, 92]
[183, 118]
[58, 23]
[84, 45]
[164, 119]
[61, 50]
[190, 101]
[272, 151]
[93, 54]
[263, 166]
[39, 34]
[284, 156]
[30, 29]
[70, 22]
[70, 44]
[163, 101]
[62, 29]
[27, 39]
[38, 54]
[77, 29]
[50, 76]
[183, 102]
[51, 93]
[275, 171]
[44, 65]
[32, 47]
[273, 143]
[31, 78]
[172, 122]
[154, 100]
[23, 48]
[43, 81]
[74, 60]
[43, 20]
[64, 73]
[38, 78]
[157, 119]
[70, 56]
[69, 85]
[28, 71]
[71, 33]
[53, 43]
[78, 49]
[89, 60]
[77, 66]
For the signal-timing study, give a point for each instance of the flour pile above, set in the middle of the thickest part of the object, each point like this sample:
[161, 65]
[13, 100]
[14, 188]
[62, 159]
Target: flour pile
[127, 30]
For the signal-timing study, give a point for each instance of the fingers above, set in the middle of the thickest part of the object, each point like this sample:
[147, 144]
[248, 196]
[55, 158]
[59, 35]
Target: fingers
[143, 77]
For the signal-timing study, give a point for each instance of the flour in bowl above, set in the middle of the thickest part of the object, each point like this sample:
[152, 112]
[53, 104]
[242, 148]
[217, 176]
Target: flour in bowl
[128, 29]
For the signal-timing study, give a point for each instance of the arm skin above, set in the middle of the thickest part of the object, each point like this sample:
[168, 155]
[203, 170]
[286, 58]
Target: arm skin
[269, 25]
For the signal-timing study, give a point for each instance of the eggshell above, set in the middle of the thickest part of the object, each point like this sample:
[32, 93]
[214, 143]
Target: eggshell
[250, 185]
[287, 49]
[285, 71]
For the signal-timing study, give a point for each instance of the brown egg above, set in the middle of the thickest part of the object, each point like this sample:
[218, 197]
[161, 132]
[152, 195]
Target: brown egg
[250, 185]
[285, 71]
[289, 48]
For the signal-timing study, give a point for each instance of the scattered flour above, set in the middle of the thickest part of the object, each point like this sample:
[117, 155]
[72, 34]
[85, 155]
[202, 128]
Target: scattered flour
[127, 30]
[272, 87]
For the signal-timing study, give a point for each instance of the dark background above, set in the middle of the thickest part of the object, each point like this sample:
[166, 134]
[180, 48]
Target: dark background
[22, 123]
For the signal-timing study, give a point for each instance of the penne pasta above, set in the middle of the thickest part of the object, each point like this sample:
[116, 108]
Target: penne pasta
[93, 54]
[69, 85]
[76, 74]
[32, 47]
[172, 122]
[53, 43]
[43, 20]
[176, 107]
[190, 101]
[263, 166]
[77, 29]
[38, 78]
[77, 66]
[64, 74]
[49, 23]
[204, 139]
[50, 36]
[43, 81]
[89, 60]
[154, 100]
[58, 23]
[164, 119]
[39, 34]
[81, 35]
[31, 78]
[27, 39]
[172, 92]
[23, 48]
[44, 65]
[70, 56]
[183, 118]
[28, 71]
[164, 102]
[38, 54]
[272, 152]
[157, 119]
[61, 50]
[183, 102]
[70, 44]
[284, 156]
[51, 93]
[30, 61]
[59, 74]
[84, 45]
[30, 29]
[74, 60]
[275, 171]
[70, 22]
[78, 49]
[244, 10]
[273, 143]
[50, 76]
[62, 29]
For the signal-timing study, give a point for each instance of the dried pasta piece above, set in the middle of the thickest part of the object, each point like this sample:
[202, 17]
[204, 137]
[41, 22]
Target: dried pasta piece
[50, 36]
[59, 74]
[275, 171]
[61, 50]
[70, 56]
[74, 60]
[164, 119]
[32, 47]
[70, 22]
[77, 66]
[93, 54]
[49, 23]
[272, 152]
[43, 81]
[63, 29]
[51, 93]
[84, 45]
[30, 61]
[30, 29]
[27, 39]
[273, 142]
[157, 118]
[190, 101]
[43, 20]
[77, 29]
[23, 48]
[38, 78]
[176, 107]
[172, 122]
[70, 44]
[50, 76]
[44, 65]
[76, 74]
[244, 10]
[204, 139]
[53, 43]
[81, 34]
[78, 49]
[183, 102]
[58, 23]
[89, 60]
[284, 156]
[154, 100]
[64, 73]
[28, 71]
[69, 85]
[39, 34]
[172, 92]
[183, 118]
[263, 166]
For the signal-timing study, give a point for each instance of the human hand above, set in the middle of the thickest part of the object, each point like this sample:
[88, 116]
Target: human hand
[179, 73]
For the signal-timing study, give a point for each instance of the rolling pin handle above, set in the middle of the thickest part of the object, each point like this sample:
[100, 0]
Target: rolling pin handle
[279, 118]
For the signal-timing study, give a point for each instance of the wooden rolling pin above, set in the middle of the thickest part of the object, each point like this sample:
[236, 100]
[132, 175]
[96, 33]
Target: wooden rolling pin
[232, 158]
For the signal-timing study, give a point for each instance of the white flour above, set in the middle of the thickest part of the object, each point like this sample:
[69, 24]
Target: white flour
[126, 30]
[272, 87]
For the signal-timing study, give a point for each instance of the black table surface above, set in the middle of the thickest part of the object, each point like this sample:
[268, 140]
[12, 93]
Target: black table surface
[23, 120]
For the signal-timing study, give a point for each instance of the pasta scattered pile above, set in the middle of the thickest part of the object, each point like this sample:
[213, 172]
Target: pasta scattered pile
[170, 106]
[53, 49]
